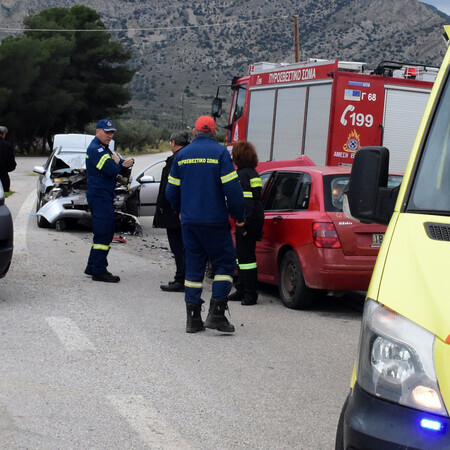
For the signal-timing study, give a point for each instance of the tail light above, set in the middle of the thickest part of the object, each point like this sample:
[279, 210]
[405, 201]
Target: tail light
[325, 235]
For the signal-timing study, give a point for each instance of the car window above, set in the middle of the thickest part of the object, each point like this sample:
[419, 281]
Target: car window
[283, 191]
[338, 185]
[156, 170]
[264, 178]
[335, 186]
[49, 159]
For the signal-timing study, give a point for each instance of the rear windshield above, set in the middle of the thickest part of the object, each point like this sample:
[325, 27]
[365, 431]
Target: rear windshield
[334, 188]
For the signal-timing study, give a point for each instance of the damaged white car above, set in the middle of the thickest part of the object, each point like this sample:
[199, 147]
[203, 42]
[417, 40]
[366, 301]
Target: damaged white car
[62, 185]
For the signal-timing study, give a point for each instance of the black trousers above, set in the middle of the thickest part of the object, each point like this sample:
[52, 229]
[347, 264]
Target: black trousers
[246, 259]
[175, 239]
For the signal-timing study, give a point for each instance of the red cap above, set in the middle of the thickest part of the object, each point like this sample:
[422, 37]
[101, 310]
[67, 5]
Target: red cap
[205, 123]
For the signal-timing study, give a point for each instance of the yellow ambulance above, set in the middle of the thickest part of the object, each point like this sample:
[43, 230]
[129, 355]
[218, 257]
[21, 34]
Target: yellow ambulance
[400, 389]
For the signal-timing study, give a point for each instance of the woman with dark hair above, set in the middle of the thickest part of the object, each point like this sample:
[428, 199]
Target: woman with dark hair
[246, 159]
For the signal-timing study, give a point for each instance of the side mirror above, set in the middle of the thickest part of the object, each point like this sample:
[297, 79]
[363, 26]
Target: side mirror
[216, 110]
[147, 179]
[39, 169]
[369, 198]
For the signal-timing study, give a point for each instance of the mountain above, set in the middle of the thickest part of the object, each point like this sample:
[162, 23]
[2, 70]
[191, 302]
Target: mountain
[184, 49]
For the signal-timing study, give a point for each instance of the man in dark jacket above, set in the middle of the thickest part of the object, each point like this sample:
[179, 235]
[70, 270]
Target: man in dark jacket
[7, 160]
[165, 217]
[203, 184]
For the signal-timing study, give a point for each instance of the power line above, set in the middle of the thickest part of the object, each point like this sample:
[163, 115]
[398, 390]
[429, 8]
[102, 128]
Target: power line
[118, 30]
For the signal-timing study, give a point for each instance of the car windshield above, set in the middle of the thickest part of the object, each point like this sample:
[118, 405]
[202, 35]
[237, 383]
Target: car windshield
[334, 189]
[431, 188]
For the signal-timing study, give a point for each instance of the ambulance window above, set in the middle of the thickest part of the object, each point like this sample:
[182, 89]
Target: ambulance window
[431, 188]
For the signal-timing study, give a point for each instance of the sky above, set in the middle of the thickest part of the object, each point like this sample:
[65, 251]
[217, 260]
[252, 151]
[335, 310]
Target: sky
[443, 5]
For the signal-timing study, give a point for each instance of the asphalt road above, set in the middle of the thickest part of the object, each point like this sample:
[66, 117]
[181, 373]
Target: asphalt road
[88, 365]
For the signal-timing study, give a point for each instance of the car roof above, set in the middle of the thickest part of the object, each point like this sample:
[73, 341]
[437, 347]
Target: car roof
[324, 170]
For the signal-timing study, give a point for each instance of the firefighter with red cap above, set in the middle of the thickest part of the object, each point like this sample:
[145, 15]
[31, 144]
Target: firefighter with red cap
[203, 186]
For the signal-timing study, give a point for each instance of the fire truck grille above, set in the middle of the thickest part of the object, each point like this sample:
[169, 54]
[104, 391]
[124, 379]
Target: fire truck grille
[438, 231]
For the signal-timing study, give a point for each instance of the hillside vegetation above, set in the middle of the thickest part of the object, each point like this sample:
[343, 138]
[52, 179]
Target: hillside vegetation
[184, 49]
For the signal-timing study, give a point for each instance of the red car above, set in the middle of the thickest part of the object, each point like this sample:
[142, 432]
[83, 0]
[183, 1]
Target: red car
[309, 244]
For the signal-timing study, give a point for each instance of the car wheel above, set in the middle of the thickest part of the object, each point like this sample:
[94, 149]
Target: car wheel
[339, 443]
[41, 221]
[293, 291]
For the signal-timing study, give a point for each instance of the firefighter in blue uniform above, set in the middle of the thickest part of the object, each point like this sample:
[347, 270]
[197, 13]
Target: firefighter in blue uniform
[102, 168]
[203, 185]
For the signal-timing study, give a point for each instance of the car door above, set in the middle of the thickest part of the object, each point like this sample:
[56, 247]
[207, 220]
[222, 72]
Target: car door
[149, 179]
[287, 195]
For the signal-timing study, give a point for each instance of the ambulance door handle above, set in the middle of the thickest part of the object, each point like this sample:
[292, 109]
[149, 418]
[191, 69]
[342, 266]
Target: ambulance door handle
[277, 218]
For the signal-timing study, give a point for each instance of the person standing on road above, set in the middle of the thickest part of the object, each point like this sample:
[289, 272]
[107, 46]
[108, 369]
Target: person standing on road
[202, 185]
[7, 159]
[246, 159]
[165, 217]
[102, 168]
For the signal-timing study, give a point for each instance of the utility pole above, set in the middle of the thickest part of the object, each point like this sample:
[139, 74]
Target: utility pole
[182, 111]
[296, 44]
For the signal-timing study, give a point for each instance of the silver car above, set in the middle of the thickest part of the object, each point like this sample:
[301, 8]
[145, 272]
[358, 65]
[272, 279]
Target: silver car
[62, 185]
[149, 179]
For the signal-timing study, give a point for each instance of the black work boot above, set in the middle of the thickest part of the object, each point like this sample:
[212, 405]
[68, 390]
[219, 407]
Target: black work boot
[236, 296]
[194, 320]
[216, 319]
[107, 277]
[249, 299]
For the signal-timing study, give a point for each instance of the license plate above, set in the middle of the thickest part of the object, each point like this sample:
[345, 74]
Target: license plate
[377, 239]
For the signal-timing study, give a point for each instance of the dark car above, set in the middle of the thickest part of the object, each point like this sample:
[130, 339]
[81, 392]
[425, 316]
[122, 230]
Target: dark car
[6, 235]
[309, 245]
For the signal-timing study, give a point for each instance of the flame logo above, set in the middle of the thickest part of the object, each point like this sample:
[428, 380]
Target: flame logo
[353, 142]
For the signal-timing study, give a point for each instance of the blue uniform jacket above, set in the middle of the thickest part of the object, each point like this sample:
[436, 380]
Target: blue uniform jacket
[101, 170]
[202, 175]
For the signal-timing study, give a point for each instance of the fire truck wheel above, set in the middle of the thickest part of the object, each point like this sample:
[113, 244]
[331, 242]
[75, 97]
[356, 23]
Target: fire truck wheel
[293, 291]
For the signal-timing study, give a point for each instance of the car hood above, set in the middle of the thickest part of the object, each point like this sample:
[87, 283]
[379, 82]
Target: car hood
[72, 160]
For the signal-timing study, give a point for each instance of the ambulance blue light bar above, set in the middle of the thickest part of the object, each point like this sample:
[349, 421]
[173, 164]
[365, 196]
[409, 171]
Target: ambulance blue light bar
[433, 425]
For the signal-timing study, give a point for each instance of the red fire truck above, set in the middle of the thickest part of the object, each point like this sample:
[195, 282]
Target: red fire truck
[327, 110]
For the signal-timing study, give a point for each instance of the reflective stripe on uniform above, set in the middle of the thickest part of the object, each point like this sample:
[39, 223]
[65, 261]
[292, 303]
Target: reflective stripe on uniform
[248, 266]
[223, 278]
[174, 181]
[256, 182]
[102, 161]
[193, 284]
[229, 177]
[101, 247]
[248, 194]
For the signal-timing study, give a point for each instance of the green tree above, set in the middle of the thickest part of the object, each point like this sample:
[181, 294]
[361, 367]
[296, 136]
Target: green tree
[59, 81]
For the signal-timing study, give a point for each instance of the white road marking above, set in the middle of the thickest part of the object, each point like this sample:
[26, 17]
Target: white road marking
[69, 334]
[21, 222]
[151, 427]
